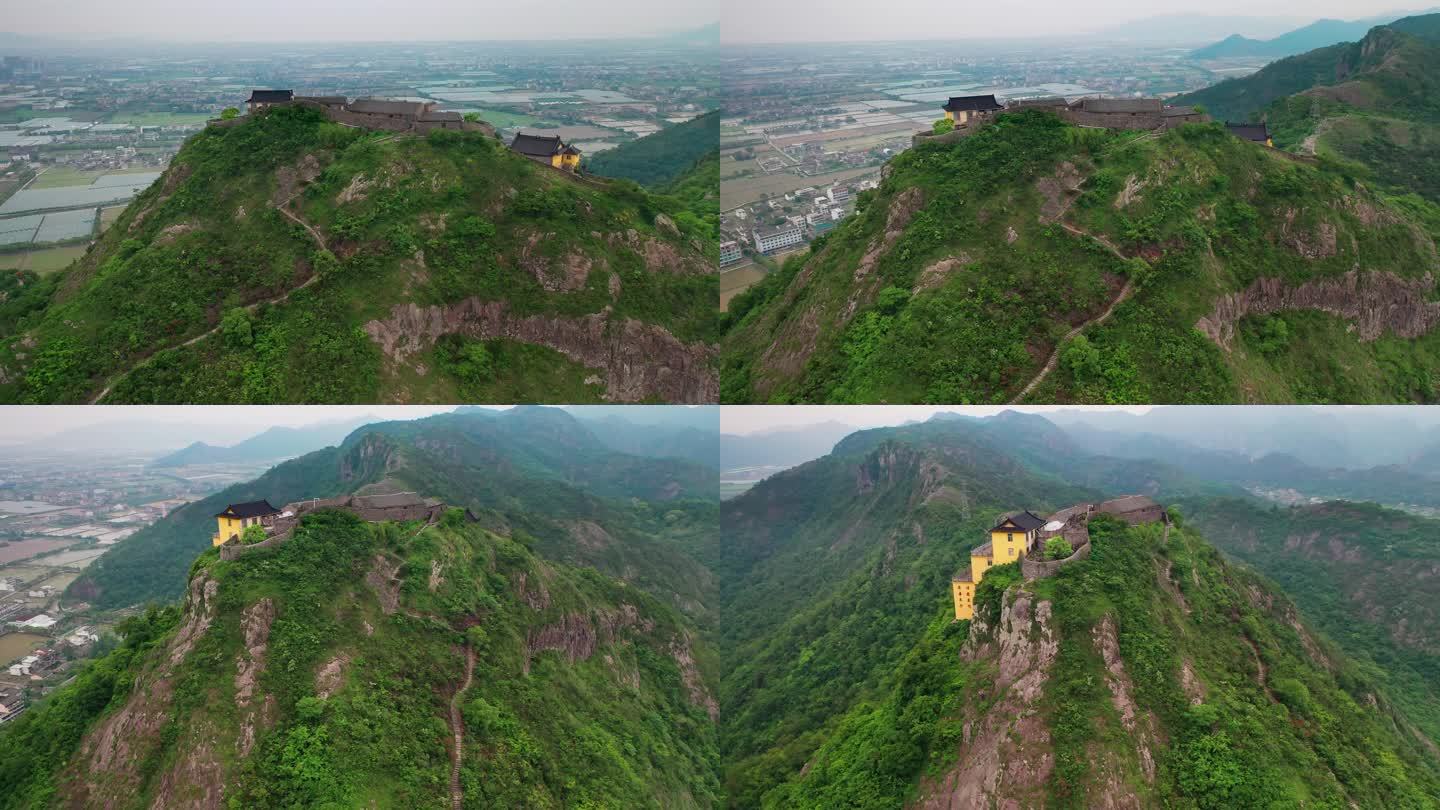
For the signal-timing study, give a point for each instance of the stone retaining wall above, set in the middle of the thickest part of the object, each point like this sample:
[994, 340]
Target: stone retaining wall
[384, 123]
[1037, 569]
[370, 508]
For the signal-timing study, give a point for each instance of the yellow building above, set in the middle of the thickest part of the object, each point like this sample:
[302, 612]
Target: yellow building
[963, 109]
[237, 517]
[547, 149]
[1010, 539]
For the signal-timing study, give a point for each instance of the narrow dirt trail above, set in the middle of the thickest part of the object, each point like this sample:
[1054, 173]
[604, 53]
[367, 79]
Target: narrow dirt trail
[284, 210]
[1263, 676]
[457, 727]
[1054, 360]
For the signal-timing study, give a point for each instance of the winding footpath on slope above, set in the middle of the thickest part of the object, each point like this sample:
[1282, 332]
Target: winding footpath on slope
[284, 210]
[1125, 293]
[457, 727]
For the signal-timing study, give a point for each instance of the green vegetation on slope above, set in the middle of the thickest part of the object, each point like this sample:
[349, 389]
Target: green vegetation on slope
[657, 160]
[357, 673]
[36, 744]
[536, 468]
[834, 571]
[1373, 105]
[1263, 723]
[957, 280]
[1359, 572]
[428, 221]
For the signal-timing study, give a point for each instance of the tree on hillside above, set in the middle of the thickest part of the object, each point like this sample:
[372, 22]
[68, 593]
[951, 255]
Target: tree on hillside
[253, 534]
[1058, 548]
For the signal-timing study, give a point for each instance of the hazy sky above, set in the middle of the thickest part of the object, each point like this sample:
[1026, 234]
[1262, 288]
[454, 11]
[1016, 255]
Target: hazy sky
[868, 21]
[753, 418]
[223, 422]
[351, 20]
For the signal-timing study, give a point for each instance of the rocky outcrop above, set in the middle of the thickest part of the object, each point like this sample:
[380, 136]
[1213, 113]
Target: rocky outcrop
[935, 275]
[565, 273]
[383, 578]
[640, 361]
[1005, 756]
[255, 625]
[331, 675]
[573, 635]
[690, 675]
[1058, 191]
[289, 180]
[1140, 725]
[659, 255]
[106, 772]
[578, 634]
[797, 337]
[589, 535]
[1377, 302]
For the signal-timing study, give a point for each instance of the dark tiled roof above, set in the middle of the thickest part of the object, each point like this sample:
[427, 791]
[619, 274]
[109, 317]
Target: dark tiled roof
[249, 510]
[1025, 520]
[964, 103]
[383, 107]
[982, 551]
[1121, 105]
[963, 576]
[270, 96]
[539, 145]
[1175, 112]
[1050, 101]
[1250, 132]
[441, 116]
[324, 99]
[1129, 503]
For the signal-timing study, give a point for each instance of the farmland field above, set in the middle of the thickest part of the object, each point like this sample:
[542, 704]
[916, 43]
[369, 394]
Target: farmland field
[44, 260]
[733, 282]
[502, 119]
[158, 119]
[24, 549]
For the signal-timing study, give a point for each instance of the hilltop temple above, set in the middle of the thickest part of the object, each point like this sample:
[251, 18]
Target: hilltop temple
[1020, 537]
[237, 517]
[970, 113]
[547, 149]
[367, 113]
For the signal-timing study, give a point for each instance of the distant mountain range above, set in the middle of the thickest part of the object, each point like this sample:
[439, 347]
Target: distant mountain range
[1307, 38]
[273, 444]
[784, 447]
[1198, 27]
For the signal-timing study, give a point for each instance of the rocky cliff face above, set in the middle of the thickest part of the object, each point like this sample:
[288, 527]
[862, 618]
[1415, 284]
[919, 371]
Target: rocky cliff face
[1378, 303]
[636, 361]
[1005, 757]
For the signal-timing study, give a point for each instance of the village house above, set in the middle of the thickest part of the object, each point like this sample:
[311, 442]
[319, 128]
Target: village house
[547, 149]
[1010, 539]
[1257, 133]
[37, 665]
[237, 517]
[12, 703]
[1020, 537]
[963, 109]
[261, 100]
